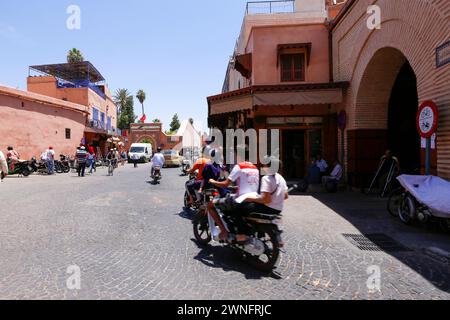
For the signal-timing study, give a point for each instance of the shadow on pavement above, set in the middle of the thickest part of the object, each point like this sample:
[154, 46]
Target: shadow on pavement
[370, 216]
[229, 260]
[186, 214]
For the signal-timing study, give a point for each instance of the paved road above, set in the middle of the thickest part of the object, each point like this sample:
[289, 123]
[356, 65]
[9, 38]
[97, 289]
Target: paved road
[132, 240]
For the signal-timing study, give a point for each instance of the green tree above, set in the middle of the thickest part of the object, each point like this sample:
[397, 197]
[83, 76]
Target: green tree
[75, 56]
[141, 96]
[156, 121]
[175, 124]
[125, 107]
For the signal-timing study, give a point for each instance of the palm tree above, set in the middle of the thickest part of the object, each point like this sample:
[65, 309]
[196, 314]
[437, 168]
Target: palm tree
[122, 98]
[125, 111]
[141, 97]
[75, 56]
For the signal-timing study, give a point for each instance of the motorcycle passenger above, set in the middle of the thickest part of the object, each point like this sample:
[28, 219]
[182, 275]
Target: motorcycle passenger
[3, 166]
[274, 189]
[213, 171]
[199, 166]
[158, 160]
[246, 177]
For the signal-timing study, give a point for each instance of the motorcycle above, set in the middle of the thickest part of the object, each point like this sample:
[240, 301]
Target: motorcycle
[185, 167]
[262, 250]
[156, 176]
[21, 168]
[38, 167]
[64, 163]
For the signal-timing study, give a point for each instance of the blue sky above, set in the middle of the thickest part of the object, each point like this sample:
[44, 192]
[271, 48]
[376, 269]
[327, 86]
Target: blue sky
[175, 50]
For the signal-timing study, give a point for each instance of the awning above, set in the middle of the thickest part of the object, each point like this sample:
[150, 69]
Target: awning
[324, 96]
[277, 95]
[243, 65]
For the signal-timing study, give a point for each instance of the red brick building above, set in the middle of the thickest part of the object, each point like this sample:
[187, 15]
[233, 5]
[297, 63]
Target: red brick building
[297, 70]
[151, 133]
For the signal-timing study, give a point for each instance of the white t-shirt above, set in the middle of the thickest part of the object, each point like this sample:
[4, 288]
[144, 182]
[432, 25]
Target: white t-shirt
[337, 172]
[158, 160]
[277, 187]
[50, 154]
[246, 176]
[322, 165]
[3, 164]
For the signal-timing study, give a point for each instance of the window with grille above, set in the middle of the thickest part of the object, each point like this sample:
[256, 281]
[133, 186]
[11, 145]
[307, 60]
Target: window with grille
[292, 67]
[68, 134]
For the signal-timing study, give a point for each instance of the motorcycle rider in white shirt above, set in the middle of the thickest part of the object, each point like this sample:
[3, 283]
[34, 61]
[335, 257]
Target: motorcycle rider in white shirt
[246, 177]
[158, 160]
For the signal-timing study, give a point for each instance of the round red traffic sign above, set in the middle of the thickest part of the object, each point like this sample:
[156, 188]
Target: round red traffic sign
[427, 119]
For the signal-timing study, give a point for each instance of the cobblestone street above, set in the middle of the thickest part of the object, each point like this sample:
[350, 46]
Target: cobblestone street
[132, 240]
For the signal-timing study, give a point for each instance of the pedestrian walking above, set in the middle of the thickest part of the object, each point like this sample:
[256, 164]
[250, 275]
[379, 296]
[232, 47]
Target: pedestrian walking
[92, 159]
[50, 160]
[82, 158]
[3, 166]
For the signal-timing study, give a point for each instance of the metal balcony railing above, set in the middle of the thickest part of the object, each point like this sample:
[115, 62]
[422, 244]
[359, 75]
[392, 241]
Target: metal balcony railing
[270, 7]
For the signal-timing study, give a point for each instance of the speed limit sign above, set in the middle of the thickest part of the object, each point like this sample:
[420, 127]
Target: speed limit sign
[427, 119]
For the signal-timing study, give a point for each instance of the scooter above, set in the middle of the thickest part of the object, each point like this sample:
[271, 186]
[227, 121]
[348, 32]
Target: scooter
[21, 168]
[156, 176]
[38, 167]
[264, 244]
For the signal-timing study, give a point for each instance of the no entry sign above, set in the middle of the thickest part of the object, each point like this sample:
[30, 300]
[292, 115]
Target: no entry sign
[427, 119]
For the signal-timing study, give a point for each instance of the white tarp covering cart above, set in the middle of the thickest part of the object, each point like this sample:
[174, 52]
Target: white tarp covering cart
[425, 198]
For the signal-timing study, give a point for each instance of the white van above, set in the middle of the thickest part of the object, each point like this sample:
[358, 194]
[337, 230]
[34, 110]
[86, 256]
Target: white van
[143, 152]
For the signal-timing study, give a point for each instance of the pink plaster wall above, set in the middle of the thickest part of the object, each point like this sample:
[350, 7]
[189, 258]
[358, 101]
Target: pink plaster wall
[84, 96]
[31, 129]
[265, 41]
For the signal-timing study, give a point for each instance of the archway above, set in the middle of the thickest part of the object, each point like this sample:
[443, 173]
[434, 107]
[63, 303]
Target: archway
[385, 116]
[148, 139]
[403, 138]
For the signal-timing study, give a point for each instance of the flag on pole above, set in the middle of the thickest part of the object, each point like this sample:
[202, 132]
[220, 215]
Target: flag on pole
[144, 117]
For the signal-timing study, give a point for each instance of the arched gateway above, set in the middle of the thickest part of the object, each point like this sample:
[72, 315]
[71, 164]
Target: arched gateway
[391, 71]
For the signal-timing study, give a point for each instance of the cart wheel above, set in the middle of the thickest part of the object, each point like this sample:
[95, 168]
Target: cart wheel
[407, 209]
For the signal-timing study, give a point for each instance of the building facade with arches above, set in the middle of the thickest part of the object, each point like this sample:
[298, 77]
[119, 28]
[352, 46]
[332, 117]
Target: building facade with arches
[391, 70]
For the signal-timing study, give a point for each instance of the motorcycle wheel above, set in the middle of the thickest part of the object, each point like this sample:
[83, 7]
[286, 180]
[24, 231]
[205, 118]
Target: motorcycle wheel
[267, 261]
[26, 172]
[202, 233]
[394, 201]
[407, 209]
[66, 169]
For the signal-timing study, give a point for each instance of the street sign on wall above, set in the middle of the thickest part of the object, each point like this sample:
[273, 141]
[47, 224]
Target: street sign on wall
[427, 124]
[427, 119]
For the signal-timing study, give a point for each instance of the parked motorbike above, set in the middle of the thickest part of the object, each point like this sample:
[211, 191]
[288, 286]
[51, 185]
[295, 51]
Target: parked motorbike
[38, 167]
[156, 176]
[21, 168]
[64, 163]
[264, 231]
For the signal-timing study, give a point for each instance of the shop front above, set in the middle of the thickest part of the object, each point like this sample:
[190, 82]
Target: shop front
[305, 117]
